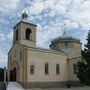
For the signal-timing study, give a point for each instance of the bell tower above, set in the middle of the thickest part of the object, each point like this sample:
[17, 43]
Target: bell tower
[25, 32]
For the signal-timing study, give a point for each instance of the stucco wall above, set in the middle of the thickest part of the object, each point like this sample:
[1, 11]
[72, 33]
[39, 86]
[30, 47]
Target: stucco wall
[73, 76]
[39, 58]
[23, 41]
[22, 34]
[14, 57]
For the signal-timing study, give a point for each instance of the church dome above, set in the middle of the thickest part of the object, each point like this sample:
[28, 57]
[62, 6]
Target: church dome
[65, 38]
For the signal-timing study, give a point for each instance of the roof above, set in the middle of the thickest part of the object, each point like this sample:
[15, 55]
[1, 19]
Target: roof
[59, 52]
[23, 21]
[65, 38]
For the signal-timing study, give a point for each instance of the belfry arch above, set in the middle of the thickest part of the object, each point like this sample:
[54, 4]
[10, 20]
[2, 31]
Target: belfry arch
[14, 71]
[28, 34]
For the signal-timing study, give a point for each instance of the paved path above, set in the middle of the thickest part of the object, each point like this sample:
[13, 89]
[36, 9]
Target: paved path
[14, 86]
[72, 88]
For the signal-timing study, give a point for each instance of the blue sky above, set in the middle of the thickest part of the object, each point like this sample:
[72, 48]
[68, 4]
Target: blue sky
[50, 17]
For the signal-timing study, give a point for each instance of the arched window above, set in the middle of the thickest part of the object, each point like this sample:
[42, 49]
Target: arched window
[28, 34]
[46, 68]
[32, 69]
[16, 34]
[57, 69]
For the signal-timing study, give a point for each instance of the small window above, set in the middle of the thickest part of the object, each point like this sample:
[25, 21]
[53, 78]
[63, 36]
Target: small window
[57, 69]
[16, 35]
[28, 34]
[74, 68]
[46, 68]
[32, 69]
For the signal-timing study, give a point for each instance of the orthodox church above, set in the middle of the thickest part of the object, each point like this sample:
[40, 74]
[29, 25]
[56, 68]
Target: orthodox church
[35, 67]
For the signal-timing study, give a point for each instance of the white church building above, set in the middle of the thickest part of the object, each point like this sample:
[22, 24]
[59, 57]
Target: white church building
[35, 67]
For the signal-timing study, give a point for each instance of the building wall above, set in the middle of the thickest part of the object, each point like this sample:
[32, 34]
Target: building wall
[24, 26]
[74, 46]
[39, 58]
[77, 47]
[31, 43]
[14, 60]
[75, 51]
[22, 34]
[72, 75]
[14, 33]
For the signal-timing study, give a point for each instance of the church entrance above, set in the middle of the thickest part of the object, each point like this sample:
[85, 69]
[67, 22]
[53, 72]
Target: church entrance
[13, 74]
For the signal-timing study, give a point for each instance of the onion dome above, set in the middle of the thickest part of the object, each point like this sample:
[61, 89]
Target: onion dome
[24, 15]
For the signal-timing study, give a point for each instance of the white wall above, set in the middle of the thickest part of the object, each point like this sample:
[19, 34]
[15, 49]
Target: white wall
[39, 58]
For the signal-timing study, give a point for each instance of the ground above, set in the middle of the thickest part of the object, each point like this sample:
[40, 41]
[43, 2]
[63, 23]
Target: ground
[79, 88]
[16, 86]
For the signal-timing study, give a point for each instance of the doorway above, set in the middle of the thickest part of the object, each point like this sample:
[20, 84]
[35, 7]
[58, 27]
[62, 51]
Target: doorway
[13, 75]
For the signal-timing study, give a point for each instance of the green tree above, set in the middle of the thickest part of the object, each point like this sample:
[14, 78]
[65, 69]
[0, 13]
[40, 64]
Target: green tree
[83, 66]
[1, 74]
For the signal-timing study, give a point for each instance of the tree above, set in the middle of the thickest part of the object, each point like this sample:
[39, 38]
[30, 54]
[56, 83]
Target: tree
[83, 66]
[1, 74]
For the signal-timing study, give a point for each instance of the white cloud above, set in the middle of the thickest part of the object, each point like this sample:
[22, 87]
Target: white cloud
[37, 8]
[7, 5]
[70, 24]
[3, 58]
[10, 35]
[49, 3]
[80, 12]
[2, 37]
[76, 14]
[46, 33]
